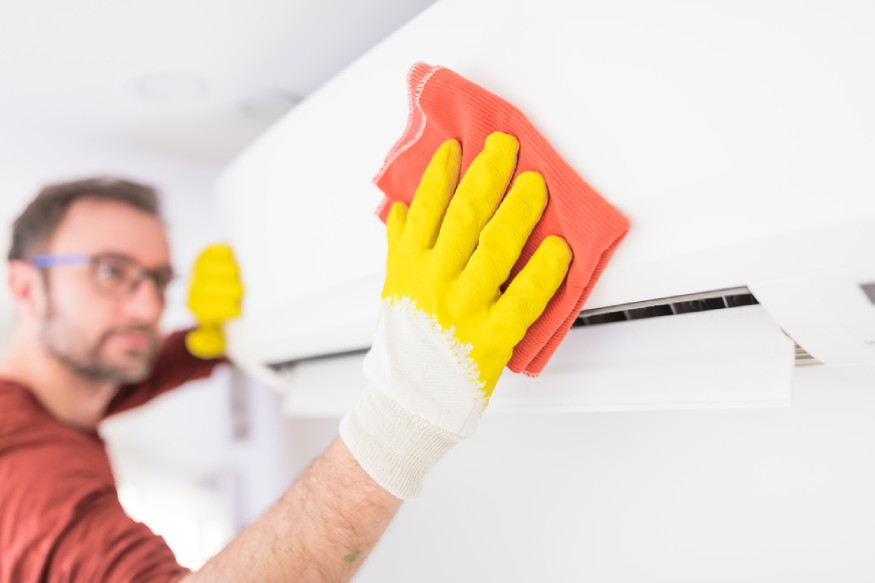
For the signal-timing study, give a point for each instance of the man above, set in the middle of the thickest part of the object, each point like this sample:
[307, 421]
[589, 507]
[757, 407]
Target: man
[88, 267]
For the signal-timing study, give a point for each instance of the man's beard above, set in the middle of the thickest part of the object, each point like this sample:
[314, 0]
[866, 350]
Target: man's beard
[88, 362]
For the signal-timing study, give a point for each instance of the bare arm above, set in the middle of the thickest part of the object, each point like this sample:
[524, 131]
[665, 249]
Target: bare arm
[321, 529]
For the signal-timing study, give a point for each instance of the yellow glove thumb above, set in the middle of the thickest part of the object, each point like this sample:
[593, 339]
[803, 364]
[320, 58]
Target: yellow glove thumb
[208, 341]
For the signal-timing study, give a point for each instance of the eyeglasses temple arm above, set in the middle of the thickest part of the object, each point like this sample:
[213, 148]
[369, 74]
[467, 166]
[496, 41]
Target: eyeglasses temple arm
[55, 260]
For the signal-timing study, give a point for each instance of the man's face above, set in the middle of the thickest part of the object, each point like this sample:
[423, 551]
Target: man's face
[102, 335]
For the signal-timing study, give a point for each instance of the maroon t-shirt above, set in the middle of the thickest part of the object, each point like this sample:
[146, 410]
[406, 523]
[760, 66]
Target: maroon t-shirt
[60, 517]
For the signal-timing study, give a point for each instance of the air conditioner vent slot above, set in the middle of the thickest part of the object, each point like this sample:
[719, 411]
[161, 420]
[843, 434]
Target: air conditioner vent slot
[286, 365]
[869, 290]
[716, 300]
[803, 358]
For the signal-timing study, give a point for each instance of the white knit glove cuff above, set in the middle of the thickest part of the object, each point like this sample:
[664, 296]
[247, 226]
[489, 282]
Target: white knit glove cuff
[394, 446]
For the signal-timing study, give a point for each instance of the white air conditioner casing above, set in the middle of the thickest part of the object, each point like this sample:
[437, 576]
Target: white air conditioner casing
[738, 138]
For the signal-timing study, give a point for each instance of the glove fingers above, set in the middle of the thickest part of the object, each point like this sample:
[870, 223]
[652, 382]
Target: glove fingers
[478, 195]
[217, 251]
[430, 201]
[216, 302]
[217, 312]
[216, 260]
[504, 237]
[216, 270]
[217, 257]
[395, 222]
[531, 290]
[231, 290]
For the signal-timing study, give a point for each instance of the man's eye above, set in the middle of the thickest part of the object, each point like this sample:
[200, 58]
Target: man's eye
[109, 272]
[162, 281]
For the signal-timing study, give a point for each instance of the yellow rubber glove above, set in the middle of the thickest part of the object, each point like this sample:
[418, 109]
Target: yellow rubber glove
[453, 273]
[446, 330]
[214, 297]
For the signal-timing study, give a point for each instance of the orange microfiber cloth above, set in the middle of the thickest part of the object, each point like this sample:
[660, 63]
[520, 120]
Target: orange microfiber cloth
[444, 105]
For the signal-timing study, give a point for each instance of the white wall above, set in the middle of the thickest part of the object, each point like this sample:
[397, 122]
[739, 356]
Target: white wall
[771, 495]
[200, 463]
[768, 494]
[719, 495]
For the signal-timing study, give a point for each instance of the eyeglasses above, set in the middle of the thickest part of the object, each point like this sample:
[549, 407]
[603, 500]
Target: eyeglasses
[115, 273]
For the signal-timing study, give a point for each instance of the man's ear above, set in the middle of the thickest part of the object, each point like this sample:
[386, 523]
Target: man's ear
[27, 288]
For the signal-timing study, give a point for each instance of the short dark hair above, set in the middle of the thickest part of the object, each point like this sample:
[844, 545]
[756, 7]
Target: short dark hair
[33, 229]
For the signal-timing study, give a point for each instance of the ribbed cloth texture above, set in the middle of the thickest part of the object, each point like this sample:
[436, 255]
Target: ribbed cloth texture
[394, 446]
[444, 105]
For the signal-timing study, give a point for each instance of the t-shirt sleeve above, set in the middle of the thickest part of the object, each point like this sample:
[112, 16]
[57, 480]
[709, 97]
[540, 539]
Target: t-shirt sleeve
[174, 366]
[101, 543]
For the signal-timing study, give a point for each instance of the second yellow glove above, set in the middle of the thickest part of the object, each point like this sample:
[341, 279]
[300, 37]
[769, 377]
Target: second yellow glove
[214, 297]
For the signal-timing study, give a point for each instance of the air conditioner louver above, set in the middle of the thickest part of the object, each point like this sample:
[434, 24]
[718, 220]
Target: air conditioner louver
[672, 306]
[699, 302]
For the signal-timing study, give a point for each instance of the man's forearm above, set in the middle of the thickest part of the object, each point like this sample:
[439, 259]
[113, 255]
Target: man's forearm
[321, 529]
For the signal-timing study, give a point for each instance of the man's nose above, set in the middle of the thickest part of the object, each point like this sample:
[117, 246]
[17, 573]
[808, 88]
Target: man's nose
[146, 301]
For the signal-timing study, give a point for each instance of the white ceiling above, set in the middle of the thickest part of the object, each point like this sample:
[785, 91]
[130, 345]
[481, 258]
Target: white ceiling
[78, 69]
[166, 91]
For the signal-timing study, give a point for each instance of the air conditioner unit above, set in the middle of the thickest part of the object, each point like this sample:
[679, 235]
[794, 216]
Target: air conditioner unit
[738, 139]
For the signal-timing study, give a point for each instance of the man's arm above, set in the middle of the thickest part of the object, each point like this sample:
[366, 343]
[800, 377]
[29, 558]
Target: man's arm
[320, 530]
[445, 333]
